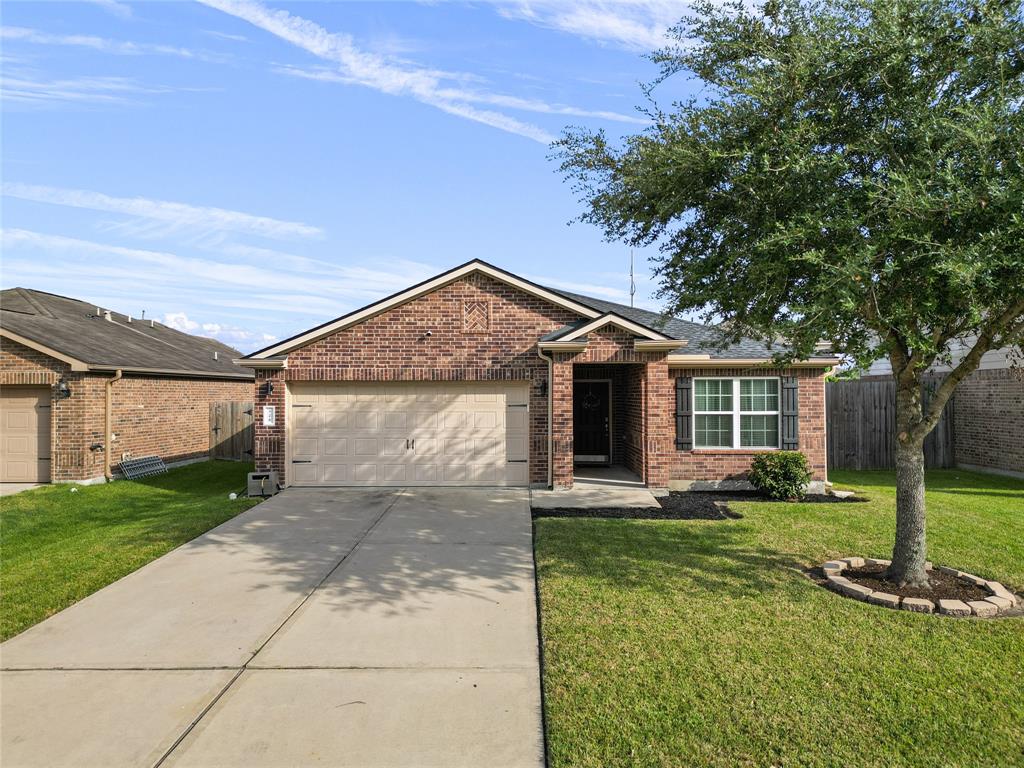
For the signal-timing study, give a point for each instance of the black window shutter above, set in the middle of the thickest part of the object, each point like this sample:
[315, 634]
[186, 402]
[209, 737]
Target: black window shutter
[684, 414]
[790, 413]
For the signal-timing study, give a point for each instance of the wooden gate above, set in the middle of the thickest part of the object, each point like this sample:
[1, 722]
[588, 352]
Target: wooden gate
[231, 430]
[861, 423]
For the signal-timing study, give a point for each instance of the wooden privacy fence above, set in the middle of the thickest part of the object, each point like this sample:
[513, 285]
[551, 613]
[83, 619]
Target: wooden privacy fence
[861, 423]
[231, 430]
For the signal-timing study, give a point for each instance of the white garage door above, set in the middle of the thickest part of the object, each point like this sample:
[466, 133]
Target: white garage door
[416, 433]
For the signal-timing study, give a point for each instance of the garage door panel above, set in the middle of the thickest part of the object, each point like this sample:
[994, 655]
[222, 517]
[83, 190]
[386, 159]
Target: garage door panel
[303, 447]
[366, 446]
[335, 446]
[25, 421]
[429, 433]
[334, 473]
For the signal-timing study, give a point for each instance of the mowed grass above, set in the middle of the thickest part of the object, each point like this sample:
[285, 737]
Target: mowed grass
[57, 547]
[700, 643]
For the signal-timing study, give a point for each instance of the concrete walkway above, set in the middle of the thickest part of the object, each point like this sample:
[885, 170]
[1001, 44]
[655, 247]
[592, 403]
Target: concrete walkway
[322, 627]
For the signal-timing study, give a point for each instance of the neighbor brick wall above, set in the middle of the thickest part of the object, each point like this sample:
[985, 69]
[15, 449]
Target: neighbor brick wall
[167, 417]
[481, 329]
[710, 464]
[988, 420]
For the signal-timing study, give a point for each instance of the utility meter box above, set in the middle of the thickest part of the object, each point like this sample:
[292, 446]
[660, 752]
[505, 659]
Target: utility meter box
[262, 484]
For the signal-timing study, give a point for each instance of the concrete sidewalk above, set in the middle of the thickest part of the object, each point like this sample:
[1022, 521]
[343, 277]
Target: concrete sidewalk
[343, 627]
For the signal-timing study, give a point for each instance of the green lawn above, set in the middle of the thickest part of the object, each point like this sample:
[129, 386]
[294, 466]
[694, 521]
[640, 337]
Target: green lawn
[699, 643]
[57, 547]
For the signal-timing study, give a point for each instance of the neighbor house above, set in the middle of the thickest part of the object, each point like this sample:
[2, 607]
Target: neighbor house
[987, 409]
[82, 387]
[481, 377]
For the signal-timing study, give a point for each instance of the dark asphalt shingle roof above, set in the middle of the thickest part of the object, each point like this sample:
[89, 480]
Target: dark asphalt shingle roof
[701, 339]
[72, 328]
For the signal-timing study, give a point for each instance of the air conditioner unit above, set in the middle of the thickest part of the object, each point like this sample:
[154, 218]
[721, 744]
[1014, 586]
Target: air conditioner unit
[262, 484]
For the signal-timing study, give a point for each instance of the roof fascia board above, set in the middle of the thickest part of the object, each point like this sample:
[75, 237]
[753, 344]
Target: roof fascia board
[658, 345]
[268, 363]
[706, 361]
[418, 290]
[563, 346]
[75, 363]
[241, 375]
[621, 322]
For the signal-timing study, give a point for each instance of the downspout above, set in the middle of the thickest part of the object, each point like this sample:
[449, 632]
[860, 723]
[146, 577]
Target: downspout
[108, 427]
[551, 414]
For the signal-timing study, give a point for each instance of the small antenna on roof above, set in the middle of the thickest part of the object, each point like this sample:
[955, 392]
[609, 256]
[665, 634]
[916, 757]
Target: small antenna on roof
[632, 282]
[143, 314]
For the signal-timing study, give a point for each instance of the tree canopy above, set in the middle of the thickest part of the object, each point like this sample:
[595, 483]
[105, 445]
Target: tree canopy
[851, 170]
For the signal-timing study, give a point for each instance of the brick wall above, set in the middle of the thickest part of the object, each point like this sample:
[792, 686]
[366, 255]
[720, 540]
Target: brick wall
[988, 421]
[167, 417]
[481, 329]
[710, 464]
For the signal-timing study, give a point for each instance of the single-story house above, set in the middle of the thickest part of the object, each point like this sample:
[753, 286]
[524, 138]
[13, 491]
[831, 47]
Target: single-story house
[481, 377]
[82, 388]
[987, 409]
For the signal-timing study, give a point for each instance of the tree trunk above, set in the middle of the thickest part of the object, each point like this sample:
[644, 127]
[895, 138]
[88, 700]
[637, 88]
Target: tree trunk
[910, 551]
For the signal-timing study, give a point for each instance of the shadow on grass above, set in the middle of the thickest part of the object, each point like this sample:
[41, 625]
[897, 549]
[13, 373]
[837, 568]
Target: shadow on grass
[663, 557]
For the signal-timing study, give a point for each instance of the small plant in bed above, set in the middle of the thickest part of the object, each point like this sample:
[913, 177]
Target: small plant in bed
[780, 475]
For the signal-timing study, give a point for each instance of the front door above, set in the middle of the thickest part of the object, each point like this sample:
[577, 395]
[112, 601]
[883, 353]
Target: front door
[591, 422]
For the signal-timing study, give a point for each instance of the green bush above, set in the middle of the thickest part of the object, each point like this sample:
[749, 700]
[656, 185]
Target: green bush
[780, 474]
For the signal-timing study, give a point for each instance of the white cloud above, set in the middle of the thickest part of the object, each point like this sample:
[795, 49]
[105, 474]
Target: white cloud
[179, 321]
[173, 216]
[637, 25]
[446, 91]
[114, 8]
[29, 90]
[105, 45]
[226, 36]
[476, 97]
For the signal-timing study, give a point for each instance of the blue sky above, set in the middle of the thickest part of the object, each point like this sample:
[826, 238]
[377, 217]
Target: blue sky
[246, 170]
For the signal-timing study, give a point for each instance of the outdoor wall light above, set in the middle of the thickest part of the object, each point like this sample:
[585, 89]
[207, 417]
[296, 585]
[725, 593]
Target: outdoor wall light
[268, 389]
[63, 390]
[543, 387]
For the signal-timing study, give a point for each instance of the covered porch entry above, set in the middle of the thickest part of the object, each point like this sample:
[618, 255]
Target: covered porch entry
[608, 424]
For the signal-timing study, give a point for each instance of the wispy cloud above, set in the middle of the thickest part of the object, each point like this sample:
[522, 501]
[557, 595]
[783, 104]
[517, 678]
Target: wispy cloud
[226, 36]
[114, 8]
[102, 44]
[447, 91]
[637, 25]
[171, 216]
[492, 99]
[29, 89]
[229, 297]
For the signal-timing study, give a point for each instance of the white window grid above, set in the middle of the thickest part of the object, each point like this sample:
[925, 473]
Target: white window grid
[737, 414]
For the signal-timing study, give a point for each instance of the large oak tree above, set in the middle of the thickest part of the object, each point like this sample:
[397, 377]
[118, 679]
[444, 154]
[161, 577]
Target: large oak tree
[851, 170]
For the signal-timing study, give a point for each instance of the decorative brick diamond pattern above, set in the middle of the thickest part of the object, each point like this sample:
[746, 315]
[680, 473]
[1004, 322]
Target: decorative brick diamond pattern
[476, 317]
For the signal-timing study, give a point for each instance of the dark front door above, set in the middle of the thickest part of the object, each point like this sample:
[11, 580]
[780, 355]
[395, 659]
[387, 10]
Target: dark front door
[591, 422]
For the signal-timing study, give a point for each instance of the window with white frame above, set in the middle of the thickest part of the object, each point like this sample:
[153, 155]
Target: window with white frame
[736, 413]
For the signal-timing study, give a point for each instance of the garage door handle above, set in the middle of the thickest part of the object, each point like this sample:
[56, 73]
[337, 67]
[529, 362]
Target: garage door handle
[302, 461]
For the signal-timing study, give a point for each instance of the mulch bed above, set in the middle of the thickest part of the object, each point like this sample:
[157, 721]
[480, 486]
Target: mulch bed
[684, 505]
[944, 586]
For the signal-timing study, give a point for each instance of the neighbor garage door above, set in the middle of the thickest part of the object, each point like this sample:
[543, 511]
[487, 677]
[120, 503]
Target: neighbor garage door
[25, 422]
[417, 433]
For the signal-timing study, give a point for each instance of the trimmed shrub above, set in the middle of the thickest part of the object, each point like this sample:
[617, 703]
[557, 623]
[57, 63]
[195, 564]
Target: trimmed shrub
[780, 475]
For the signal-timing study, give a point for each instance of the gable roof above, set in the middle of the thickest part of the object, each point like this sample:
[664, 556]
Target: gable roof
[470, 267]
[71, 330]
[696, 341]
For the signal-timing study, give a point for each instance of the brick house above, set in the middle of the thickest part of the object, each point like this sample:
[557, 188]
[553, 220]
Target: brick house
[479, 377]
[81, 388]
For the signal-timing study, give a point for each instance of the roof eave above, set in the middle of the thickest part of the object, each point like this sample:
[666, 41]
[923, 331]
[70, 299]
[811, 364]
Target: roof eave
[73, 362]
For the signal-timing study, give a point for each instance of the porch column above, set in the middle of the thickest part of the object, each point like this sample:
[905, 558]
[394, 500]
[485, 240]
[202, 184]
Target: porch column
[561, 422]
[659, 429]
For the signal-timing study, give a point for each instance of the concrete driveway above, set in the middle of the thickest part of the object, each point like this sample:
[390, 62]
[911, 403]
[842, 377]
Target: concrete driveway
[385, 627]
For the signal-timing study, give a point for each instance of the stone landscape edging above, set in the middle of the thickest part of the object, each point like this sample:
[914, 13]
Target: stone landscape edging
[1000, 599]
